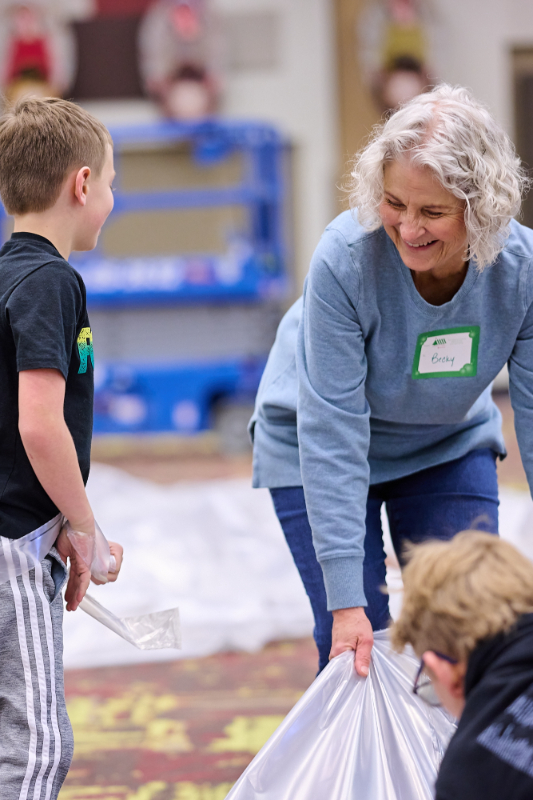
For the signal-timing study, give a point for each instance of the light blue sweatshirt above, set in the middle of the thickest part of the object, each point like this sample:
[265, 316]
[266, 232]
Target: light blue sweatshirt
[367, 382]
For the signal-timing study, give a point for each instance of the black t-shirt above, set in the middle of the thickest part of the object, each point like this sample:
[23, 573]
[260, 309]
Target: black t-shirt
[43, 325]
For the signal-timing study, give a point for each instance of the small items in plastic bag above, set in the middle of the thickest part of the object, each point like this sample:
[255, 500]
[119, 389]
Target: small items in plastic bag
[352, 738]
[147, 632]
[94, 551]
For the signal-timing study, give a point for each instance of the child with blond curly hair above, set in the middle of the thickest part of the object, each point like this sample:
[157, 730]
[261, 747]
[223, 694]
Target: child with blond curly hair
[468, 614]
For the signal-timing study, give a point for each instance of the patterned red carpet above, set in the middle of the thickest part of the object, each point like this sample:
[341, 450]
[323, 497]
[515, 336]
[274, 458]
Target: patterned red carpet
[182, 730]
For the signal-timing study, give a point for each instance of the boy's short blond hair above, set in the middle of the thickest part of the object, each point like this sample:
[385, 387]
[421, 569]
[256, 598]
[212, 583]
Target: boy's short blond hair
[41, 141]
[460, 592]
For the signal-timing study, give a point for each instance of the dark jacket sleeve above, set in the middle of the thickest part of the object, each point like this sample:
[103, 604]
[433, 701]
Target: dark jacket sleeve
[491, 755]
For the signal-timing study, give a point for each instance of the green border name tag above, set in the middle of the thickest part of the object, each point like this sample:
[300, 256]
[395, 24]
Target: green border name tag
[449, 353]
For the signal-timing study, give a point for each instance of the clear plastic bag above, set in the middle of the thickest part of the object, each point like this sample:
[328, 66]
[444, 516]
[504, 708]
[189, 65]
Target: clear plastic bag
[93, 550]
[352, 738]
[155, 631]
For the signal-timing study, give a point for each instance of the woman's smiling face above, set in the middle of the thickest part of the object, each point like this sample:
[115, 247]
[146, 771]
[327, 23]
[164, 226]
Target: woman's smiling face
[424, 220]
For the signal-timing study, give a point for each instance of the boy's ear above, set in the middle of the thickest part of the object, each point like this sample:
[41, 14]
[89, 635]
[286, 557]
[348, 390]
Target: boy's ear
[80, 185]
[451, 676]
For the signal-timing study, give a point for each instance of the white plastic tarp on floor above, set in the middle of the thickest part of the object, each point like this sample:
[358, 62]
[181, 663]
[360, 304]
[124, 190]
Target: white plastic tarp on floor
[214, 549]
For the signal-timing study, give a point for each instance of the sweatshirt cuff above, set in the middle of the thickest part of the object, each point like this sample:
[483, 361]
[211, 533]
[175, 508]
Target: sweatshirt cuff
[343, 578]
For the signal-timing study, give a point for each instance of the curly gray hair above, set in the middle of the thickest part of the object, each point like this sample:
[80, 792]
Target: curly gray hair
[450, 132]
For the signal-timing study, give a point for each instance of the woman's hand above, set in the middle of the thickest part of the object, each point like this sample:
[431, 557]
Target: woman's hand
[352, 631]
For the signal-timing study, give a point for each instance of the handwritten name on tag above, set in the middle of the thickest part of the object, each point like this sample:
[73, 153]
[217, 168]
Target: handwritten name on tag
[450, 353]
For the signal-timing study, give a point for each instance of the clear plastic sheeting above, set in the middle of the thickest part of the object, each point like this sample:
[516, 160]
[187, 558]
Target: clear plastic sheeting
[216, 550]
[213, 548]
[352, 738]
[156, 631]
[93, 550]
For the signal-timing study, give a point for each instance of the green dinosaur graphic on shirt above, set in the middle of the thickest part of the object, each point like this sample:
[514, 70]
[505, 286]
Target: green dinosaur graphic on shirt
[85, 349]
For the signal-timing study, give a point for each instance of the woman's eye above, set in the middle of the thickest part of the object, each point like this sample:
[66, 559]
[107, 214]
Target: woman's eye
[395, 205]
[433, 214]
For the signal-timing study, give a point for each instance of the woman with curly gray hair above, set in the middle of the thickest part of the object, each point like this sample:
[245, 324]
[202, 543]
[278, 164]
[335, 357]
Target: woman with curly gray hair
[378, 387]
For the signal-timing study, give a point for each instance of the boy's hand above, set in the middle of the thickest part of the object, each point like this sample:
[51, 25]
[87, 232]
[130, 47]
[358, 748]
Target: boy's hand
[117, 551]
[80, 574]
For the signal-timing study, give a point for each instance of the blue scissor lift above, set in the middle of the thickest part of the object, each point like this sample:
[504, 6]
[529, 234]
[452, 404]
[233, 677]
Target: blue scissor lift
[180, 338]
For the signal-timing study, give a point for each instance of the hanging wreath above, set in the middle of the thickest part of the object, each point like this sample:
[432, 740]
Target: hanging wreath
[37, 50]
[396, 43]
[178, 49]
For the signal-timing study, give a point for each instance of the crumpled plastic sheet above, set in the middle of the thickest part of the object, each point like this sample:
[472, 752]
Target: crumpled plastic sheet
[352, 738]
[155, 631]
[216, 550]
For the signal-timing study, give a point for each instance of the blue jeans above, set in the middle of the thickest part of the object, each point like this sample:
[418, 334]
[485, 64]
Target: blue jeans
[435, 503]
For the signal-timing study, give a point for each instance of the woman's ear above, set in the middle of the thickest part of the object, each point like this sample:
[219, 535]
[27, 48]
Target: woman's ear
[80, 185]
[450, 676]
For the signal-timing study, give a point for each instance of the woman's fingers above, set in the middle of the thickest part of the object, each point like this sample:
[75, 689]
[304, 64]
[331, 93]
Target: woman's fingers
[352, 631]
[362, 656]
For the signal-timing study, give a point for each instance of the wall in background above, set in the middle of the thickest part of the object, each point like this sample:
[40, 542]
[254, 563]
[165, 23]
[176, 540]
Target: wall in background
[475, 43]
[294, 87]
[295, 63]
[478, 44]
[280, 67]
[357, 111]
[478, 38]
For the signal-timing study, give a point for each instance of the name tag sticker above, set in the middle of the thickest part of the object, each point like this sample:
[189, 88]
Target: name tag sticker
[451, 353]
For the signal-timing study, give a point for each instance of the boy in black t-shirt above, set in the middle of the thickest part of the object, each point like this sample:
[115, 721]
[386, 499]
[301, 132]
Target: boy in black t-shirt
[56, 173]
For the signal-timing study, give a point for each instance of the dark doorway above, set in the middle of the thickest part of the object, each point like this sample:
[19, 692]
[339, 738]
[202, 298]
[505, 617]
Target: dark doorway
[107, 59]
[523, 113]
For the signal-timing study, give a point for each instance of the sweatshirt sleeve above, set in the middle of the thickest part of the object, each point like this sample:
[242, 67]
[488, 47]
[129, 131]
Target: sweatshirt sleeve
[334, 421]
[521, 382]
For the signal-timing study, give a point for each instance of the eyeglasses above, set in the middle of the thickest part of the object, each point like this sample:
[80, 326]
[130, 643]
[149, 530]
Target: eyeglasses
[423, 685]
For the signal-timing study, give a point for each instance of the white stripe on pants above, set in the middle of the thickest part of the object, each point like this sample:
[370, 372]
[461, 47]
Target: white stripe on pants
[35, 734]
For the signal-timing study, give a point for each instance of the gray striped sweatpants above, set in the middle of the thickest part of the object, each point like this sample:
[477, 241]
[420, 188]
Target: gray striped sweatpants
[36, 743]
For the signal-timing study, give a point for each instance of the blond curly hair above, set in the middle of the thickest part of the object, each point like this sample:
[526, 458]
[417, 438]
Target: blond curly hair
[460, 592]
